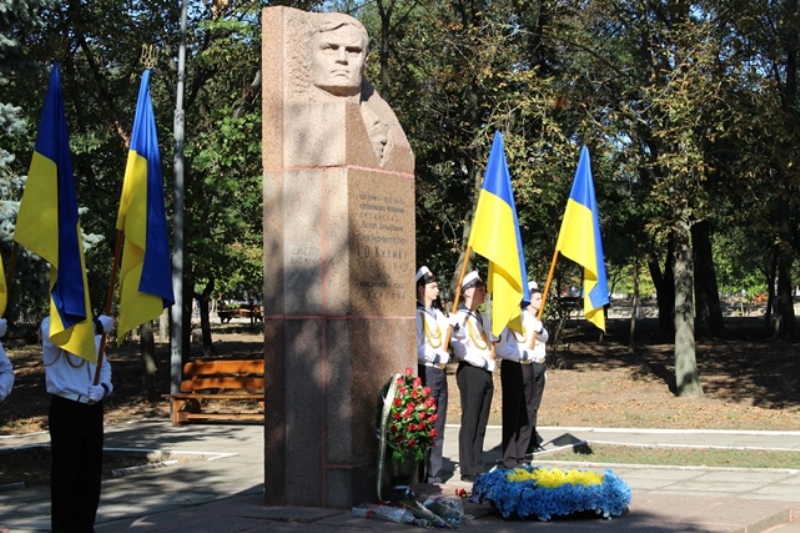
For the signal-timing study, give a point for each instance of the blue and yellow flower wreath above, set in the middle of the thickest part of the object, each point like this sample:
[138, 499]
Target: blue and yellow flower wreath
[530, 492]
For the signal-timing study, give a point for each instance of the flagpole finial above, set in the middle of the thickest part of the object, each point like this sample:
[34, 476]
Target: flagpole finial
[149, 57]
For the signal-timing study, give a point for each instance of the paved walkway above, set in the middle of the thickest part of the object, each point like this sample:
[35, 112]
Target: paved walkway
[225, 494]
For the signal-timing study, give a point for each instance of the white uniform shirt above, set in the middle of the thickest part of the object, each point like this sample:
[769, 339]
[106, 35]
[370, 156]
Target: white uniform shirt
[470, 339]
[6, 375]
[431, 329]
[516, 347]
[65, 372]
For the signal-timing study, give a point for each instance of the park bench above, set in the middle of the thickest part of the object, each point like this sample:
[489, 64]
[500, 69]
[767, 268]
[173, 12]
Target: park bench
[229, 381]
[253, 312]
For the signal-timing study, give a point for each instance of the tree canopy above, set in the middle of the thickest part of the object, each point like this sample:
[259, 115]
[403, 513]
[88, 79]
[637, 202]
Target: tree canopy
[690, 110]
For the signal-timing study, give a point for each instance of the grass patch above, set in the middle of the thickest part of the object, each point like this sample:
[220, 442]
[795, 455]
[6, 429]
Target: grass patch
[604, 453]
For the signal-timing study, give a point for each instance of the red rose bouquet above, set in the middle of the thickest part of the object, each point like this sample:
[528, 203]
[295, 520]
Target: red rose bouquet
[411, 419]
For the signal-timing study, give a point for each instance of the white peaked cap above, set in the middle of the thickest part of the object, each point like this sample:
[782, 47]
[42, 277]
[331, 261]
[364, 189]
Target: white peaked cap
[533, 286]
[470, 280]
[422, 272]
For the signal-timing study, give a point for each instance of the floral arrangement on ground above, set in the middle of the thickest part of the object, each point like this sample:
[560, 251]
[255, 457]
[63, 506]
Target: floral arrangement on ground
[532, 492]
[411, 419]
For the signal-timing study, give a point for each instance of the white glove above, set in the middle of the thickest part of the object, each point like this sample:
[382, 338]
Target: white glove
[491, 364]
[537, 325]
[96, 393]
[107, 324]
[444, 357]
[454, 321]
[3, 327]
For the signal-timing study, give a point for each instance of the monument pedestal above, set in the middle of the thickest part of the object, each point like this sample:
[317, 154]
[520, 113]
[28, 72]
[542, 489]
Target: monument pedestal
[339, 294]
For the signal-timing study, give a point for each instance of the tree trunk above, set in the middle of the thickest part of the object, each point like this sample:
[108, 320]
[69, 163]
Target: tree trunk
[205, 327]
[707, 304]
[773, 268]
[163, 326]
[634, 307]
[149, 362]
[205, 316]
[687, 378]
[785, 300]
[665, 290]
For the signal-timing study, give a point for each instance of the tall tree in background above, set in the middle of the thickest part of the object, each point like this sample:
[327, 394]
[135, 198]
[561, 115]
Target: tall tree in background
[651, 79]
[766, 35]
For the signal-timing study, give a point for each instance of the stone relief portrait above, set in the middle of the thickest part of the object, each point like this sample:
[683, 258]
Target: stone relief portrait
[328, 62]
[339, 55]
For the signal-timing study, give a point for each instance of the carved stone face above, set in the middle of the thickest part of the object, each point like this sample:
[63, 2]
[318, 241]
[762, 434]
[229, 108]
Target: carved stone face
[339, 57]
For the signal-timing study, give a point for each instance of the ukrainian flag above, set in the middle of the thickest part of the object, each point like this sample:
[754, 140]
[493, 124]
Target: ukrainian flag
[495, 235]
[48, 225]
[146, 270]
[579, 240]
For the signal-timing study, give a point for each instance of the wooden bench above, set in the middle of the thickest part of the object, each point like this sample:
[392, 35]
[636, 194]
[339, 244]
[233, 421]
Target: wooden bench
[239, 380]
[245, 311]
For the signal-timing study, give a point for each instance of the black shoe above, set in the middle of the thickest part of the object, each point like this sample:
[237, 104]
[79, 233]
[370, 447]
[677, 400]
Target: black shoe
[537, 449]
[468, 477]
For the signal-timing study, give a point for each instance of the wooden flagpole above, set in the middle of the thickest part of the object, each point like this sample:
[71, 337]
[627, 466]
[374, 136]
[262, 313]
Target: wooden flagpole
[467, 253]
[109, 300]
[545, 293]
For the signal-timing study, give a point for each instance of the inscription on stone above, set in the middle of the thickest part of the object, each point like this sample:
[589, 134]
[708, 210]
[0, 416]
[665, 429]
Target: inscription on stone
[383, 247]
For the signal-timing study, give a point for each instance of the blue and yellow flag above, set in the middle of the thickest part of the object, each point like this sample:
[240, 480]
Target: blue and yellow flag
[146, 270]
[579, 240]
[495, 236]
[48, 225]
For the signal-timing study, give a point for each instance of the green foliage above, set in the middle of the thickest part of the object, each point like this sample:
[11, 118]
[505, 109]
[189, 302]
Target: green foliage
[690, 111]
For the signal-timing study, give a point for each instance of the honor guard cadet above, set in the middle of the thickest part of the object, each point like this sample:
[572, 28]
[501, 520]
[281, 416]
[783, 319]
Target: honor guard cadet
[6, 369]
[431, 360]
[472, 345]
[76, 431]
[522, 378]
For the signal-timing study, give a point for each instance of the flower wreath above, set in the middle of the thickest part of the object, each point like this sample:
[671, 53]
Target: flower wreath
[406, 414]
[412, 415]
[546, 493]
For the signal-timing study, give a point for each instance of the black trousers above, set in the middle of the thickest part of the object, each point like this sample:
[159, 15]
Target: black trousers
[436, 379]
[539, 380]
[76, 442]
[517, 381]
[476, 388]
